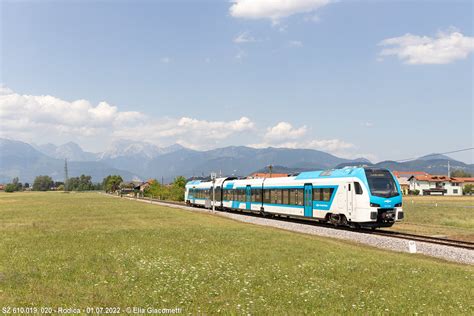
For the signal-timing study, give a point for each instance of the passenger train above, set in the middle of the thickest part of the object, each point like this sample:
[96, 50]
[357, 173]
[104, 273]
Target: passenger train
[353, 196]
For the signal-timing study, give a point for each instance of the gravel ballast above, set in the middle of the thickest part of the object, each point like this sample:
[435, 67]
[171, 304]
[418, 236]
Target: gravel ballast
[454, 254]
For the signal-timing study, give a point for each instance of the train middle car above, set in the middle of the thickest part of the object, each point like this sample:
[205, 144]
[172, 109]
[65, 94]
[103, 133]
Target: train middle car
[358, 197]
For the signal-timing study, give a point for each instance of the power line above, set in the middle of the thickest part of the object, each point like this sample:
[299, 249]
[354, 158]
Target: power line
[448, 152]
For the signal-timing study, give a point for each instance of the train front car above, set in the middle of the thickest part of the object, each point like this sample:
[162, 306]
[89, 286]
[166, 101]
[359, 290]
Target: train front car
[385, 199]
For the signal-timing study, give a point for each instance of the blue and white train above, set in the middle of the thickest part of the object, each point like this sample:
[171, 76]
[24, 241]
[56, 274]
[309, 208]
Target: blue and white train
[356, 197]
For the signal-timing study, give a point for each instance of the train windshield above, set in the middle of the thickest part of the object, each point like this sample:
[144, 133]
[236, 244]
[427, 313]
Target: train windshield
[381, 183]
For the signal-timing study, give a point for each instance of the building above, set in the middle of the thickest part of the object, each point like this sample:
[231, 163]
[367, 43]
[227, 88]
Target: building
[403, 176]
[435, 185]
[144, 185]
[404, 185]
[465, 181]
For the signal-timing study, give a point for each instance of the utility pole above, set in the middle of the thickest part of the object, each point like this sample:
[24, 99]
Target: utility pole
[270, 168]
[449, 170]
[66, 176]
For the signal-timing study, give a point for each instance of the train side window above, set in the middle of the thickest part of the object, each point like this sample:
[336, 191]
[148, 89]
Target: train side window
[292, 197]
[358, 188]
[299, 196]
[327, 193]
[349, 187]
[266, 196]
[273, 196]
[280, 197]
[285, 197]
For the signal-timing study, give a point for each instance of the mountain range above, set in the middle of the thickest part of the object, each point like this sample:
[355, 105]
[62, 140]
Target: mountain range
[142, 160]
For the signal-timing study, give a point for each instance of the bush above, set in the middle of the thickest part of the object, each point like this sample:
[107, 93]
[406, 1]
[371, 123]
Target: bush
[468, 189]
[10, 188]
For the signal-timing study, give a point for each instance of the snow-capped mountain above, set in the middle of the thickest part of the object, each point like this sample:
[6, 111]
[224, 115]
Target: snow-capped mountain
[129, 148]
[69, 150]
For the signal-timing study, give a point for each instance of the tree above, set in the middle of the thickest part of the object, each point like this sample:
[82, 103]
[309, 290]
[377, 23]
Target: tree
[42, 183]
[468, 189]
[459, 173]
[16, 184]
[111, 183]
[157, 190]
[10, 187]
[178, 188]
[82, 183]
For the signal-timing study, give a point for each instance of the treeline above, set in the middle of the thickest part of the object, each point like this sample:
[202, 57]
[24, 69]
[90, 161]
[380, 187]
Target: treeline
[46, 183]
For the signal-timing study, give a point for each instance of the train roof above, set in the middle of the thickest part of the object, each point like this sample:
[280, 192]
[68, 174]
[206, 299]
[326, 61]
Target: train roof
[357, 172]
[345, 172]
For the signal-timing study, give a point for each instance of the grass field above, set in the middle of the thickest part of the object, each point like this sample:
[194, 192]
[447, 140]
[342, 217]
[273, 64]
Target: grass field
[439, 215]
[79, 250]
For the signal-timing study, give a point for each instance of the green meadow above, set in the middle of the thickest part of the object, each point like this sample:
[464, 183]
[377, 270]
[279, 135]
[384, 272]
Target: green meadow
[439, 215]
[91, 250]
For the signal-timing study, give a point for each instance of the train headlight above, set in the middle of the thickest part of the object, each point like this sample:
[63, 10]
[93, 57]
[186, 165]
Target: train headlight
[398, 205]
[374, 205]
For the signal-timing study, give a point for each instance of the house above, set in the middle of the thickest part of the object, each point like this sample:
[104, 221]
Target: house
[404, 185]
[403, 176]
[435, 185]
[464, 181]
[144, 185]
[2, 187]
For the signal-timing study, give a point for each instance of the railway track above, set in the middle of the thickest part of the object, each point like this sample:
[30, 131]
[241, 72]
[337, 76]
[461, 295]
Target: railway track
[386, 233]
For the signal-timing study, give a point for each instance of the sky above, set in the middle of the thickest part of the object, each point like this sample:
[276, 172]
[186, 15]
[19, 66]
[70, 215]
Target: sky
[375, 79]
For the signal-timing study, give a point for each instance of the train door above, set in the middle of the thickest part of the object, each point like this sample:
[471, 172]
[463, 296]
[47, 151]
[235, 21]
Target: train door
[308, 200]
[350, 198]
[194, 195]
[248, 197]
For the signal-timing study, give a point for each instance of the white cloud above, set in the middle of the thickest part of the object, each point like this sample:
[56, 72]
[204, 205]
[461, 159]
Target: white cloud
[46, 118]
[284, 135]
[444, 48]
[283, 131]
[244, 37]
[295, 43]
[165, 60]
[274, 9]
[312, 18]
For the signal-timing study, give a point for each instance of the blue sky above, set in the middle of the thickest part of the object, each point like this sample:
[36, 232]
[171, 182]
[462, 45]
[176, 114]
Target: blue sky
[342, 77]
